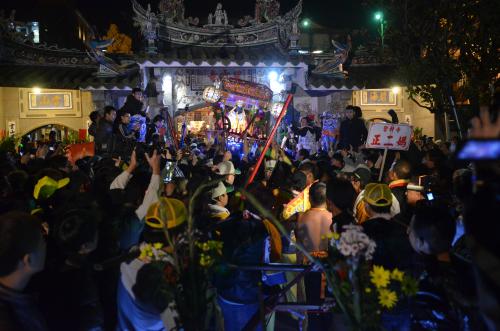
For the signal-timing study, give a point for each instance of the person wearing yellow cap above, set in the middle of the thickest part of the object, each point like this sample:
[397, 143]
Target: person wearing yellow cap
[393, 248]
[137, 304]
[174, 210]
[47, 186]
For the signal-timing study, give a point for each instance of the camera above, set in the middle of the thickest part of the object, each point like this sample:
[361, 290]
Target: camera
[425, 185]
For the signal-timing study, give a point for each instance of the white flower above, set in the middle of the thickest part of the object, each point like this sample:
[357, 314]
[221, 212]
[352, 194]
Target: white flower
[344, 249]
[355, 249]
[354, 242]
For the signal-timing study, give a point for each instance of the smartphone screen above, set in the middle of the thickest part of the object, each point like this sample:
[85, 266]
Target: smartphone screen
[479, 150]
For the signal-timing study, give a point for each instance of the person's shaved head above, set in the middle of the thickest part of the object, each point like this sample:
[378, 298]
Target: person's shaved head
[402, 169]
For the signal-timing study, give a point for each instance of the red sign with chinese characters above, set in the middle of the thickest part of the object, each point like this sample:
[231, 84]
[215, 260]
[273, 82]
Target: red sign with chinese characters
[390, 136]
[250, 89]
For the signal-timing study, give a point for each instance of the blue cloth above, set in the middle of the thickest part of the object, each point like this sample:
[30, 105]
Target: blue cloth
[459, 232]
[237, 315]
[399, 321]
[133, 316]
[241, 286]
[141, 120]
[130, 233]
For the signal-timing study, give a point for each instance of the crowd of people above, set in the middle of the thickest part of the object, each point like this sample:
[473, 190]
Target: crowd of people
[428, 217]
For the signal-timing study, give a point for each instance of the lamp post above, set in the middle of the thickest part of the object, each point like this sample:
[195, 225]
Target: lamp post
[379, 17]
[306, 26]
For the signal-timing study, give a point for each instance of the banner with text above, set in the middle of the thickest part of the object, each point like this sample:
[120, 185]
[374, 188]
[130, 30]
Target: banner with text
[390, 136]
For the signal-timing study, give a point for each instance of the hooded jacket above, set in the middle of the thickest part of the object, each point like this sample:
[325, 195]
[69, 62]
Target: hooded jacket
[18, 312]
[132, 106]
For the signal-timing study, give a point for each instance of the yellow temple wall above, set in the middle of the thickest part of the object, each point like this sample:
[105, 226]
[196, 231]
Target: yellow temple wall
[29, 109]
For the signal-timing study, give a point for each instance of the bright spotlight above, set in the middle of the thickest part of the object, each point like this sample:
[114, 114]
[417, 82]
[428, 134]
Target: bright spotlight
[273, 76]
[396, 89]
[166, 87]
[37, 90]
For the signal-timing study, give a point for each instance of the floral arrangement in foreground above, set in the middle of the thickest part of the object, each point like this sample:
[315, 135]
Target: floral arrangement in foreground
[184, 284]
[187, 261]
[363, 291]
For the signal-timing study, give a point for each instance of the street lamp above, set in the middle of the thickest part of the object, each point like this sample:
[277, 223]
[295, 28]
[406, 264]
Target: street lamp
[379, 17]
[306, 23]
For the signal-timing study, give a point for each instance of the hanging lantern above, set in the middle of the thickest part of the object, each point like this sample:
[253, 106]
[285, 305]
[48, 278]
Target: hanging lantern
[211, 94]
[276, 108]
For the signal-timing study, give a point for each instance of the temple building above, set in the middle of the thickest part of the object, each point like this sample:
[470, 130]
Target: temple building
[45, 85]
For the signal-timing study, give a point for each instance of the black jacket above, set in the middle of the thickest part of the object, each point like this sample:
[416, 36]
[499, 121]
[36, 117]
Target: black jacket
[393, 247]
[104, 137]
[352, 132]
[344, 218]
[69, 297]
[93, 129]
[132, 106]
[18, 312]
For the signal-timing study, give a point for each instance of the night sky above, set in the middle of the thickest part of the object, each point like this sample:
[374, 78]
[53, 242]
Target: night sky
[338, 14]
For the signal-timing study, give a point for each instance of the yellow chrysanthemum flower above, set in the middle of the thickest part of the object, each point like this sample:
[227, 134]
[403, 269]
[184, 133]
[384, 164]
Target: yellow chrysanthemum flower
[380, 277]
[368, 290]
[387, 298]
[333, 235]
[397, 274]
[157, 245]
[205, 260]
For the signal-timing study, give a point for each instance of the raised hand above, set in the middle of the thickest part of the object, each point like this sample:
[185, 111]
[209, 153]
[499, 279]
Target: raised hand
[133, 162]
[118, 161]
[154, 162]
[483, 127]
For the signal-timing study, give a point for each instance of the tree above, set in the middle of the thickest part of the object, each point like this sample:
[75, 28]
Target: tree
[445, 50]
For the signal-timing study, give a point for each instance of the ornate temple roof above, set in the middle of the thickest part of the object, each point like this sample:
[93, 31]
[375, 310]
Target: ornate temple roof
[21, 52]
[266, 39]
[267, 36]
[63, 77]
[268, 55]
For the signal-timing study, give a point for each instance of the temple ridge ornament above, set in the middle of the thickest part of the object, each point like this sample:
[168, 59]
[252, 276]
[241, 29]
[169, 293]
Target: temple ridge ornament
[266, 10]
[148, 25]
[172, 11]
[218, 19]
[331, 64]
[287, 24]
